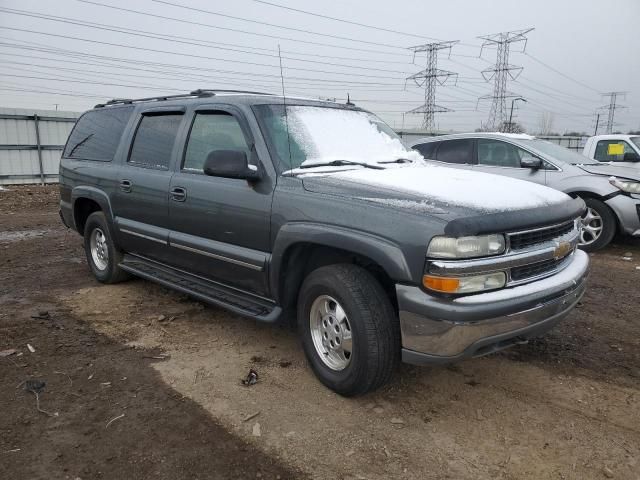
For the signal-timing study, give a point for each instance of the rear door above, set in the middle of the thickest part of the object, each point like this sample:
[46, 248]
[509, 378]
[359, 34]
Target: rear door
[503, 158]
[458, 153]
[220, 226]
[141, 200]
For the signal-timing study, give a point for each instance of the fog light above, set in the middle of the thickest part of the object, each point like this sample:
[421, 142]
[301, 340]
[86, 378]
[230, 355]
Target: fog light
[476, 283]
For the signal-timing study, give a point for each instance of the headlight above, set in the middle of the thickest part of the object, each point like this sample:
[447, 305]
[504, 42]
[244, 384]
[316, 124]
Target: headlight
[625, 185]
[466, 247]
[476, 283]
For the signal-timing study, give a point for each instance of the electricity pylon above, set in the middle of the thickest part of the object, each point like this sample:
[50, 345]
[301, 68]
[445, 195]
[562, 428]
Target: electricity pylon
[429, 78]
[500, 73]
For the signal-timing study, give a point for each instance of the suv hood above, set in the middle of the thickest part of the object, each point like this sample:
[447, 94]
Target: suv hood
[610, 170]
[435, 189]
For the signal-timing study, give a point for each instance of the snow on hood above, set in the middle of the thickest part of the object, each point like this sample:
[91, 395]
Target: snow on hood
[480, 191]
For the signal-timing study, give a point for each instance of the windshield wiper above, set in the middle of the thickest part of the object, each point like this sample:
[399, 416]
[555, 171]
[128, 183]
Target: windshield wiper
[80, 143]
[341, 163]
[398, 160]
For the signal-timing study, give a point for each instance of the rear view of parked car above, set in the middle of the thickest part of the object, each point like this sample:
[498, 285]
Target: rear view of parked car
[315, 212]
[611, 193]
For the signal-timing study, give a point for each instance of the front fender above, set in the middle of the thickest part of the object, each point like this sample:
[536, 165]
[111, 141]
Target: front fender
[380, 250]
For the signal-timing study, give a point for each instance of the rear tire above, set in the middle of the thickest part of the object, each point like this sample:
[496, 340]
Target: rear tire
[357, 316]
[102, 252]
[599, 225]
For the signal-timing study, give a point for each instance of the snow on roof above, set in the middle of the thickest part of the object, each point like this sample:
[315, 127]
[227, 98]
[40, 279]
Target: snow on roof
[520, 136]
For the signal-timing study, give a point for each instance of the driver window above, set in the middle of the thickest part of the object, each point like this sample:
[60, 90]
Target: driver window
[213, 131]
[500, 154]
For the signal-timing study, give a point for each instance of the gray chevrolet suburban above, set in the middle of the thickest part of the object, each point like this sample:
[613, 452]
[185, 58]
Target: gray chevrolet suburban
[294, 209]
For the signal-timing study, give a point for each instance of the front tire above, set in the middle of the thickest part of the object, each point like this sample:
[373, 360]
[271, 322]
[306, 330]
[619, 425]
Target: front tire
[598, 225]
[349, 329]
[102, 253]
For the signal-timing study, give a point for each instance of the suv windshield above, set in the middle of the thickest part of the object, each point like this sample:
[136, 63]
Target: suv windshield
[558, 152]
[321, 136]
[635, 140]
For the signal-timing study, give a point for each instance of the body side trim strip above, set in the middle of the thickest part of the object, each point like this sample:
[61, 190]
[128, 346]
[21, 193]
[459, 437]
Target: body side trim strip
[216, 256]
[146, 237]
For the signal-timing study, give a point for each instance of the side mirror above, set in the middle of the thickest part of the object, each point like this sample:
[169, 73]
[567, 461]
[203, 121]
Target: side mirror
[230, 164]
[531, 162]
[631, 157]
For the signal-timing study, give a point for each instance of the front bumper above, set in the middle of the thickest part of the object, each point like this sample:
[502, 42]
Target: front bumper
[441, 330]
[627, 209]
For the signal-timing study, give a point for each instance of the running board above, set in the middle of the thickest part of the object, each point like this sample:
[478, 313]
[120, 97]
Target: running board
[204, 290]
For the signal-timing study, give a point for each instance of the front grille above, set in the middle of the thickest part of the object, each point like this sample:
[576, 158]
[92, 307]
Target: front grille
[519, 241]
[535, 269]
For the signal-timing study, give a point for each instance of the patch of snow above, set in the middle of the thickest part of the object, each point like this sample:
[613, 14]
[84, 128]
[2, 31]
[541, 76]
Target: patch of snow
[482, 191]
[515, 136]
[326, 134]
[578, 266]
[422, 206]
[2, 189]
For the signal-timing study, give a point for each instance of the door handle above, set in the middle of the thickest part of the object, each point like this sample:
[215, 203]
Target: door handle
[125, 185]
[178, 194]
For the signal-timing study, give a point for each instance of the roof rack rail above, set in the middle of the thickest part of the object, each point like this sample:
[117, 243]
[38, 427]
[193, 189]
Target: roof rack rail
[201, 92]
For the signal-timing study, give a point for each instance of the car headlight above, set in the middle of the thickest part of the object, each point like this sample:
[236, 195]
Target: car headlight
[628, 186]
[466, 247]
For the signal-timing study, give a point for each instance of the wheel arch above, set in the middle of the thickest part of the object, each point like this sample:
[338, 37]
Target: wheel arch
[301, 249]
[85, 201]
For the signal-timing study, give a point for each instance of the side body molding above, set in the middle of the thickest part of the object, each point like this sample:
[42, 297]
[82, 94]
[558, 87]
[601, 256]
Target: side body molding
[387, 254]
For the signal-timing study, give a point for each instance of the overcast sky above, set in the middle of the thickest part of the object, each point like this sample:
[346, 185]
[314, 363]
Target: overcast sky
[578, 50]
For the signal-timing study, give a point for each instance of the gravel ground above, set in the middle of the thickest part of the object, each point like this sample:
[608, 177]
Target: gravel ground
[165, 370]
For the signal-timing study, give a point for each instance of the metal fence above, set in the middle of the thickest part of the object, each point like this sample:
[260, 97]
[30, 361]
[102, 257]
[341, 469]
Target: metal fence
[31, 142]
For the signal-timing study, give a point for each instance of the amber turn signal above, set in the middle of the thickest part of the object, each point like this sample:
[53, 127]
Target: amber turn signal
[441, 284]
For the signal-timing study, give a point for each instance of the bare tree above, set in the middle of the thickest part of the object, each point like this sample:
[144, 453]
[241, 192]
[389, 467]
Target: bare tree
[513, 127]
[545, 124]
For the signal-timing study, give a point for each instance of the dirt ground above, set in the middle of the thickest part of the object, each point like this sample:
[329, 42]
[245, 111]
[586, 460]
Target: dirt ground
[142, 382]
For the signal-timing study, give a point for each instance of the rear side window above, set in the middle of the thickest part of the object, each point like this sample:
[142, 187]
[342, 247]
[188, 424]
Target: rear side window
[426, 149]
[153, 143]
[97, 134]
[456, 151]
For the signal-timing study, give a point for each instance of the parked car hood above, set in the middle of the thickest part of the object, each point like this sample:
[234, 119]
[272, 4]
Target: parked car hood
[612, 170]
[436, 188]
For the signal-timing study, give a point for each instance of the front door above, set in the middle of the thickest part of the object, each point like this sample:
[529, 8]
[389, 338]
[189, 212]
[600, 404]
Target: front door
[140, 205]
[503, 158]
[220, 226]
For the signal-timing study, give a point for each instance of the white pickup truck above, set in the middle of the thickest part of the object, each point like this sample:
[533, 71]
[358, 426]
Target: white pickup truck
[616, 148]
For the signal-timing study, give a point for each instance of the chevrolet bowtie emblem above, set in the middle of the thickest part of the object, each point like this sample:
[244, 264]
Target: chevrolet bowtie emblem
[562, 250]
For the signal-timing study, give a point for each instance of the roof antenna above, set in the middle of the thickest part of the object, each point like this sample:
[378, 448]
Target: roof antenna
[284, 101]
[349, 102]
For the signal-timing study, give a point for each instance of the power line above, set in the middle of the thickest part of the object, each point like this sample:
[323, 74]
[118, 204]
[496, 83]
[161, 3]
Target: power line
[184, 68]
[179, 39]
[559, 72]
[190, 22]
[194, 55]
[300, 30]
[342, 20]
